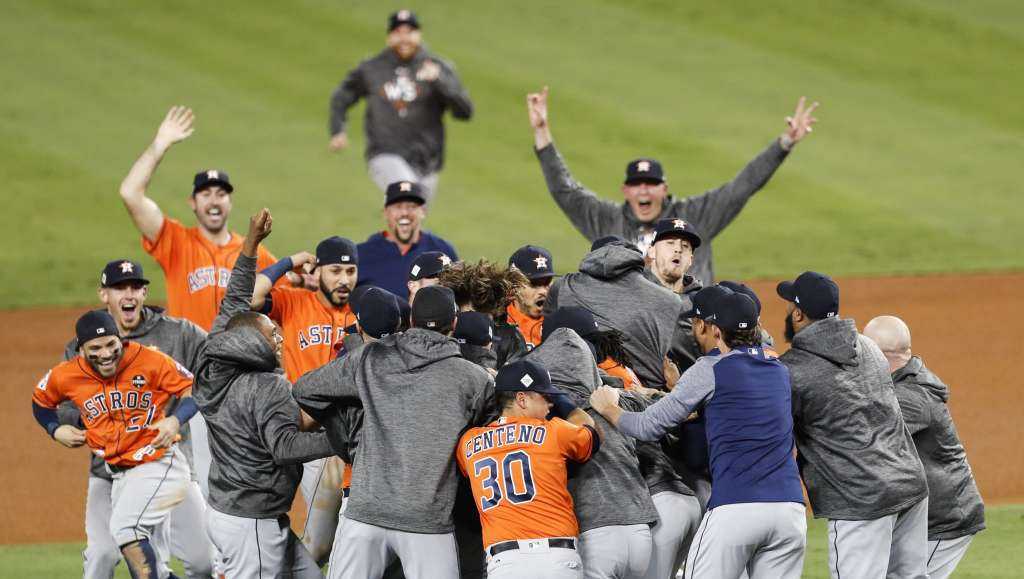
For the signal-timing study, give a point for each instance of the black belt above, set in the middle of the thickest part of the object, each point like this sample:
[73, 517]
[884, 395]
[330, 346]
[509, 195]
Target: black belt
[118, 469]
[513, 545]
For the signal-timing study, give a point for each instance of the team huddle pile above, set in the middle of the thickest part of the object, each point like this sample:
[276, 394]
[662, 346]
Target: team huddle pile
[445, 418]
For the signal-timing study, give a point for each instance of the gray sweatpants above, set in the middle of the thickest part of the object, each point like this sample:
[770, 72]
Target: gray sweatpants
[766, 540]
[259, 548]
[678, 519]
[891, 546]
[387, 168]
[944, 555]
[616, 551]
[363, 551]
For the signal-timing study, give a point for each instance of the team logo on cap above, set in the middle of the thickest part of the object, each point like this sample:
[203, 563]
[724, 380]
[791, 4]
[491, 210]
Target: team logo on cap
[213, 174]
[541, 261]
[138, 380]
[127, 267]
[679, 224]
[403, 15]
[405, 186]
[415, 269]
[445, 260]
[346, 258]
[643, 166]
[526, 380]
[101, 331]
[743, 325]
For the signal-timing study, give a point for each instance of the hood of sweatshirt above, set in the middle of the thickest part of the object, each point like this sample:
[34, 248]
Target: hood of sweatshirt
[612, 261]
[419, 347]
[834, 339]
[916, 371]
[571, 363]
[228, 355]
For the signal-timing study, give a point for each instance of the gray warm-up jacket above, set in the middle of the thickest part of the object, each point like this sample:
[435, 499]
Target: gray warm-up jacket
[710, 212]
[854, 451]
[403, 115]
[609, 489]
[954, 504]
[612, 286]
[418, 396]
[253, 420]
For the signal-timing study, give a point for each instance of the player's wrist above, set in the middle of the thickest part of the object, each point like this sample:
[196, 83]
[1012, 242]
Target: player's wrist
[274, 272]
[786, 142]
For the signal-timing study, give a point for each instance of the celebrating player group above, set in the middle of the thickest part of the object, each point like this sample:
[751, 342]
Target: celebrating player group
[447, 418]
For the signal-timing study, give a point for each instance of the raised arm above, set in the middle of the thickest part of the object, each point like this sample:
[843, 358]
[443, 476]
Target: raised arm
[266, 279]
[347, 94]
[240, 286]
[145, 213]
[454, 95]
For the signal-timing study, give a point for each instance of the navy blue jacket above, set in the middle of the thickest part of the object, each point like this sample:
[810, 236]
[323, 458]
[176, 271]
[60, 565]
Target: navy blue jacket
[383, 266]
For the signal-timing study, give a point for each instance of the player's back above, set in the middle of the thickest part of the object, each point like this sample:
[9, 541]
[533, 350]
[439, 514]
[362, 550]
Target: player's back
[517, 471]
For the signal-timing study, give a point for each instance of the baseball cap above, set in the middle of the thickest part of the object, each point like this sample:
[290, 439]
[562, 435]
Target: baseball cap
[577, 319]
[94, 324]
[378, 314]
[336, 250]
[474, 328]
[676, 227]
[121, 270]
[524, 376]
[433, 308]
[732, 312]
[428, 265]
[209, 178]
[404, 310]
[534, 262]
[639, 170]
[403, 17]
[703, 302]
[814, 293]
[404, 191]
[606, 240]
[742, 288]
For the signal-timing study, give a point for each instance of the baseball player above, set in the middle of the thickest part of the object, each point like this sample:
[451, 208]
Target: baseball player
[646, 193]
[311, 323]
[407, 89]
[857, 457]
[255, 436]
[388, 255]
[196, 260]
[123, 291]
[425, 271]
[525, 313]
[955, 510]
[756, 521]
[121, 389]
[474, 332]
[404, 476]
[517, 468]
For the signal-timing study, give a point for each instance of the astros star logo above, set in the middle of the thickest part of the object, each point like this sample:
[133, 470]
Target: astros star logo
[445, 260]
[679, 224]
[405, 186]
[127, 267]
[212, 174]
[541, 261]
[643, 166]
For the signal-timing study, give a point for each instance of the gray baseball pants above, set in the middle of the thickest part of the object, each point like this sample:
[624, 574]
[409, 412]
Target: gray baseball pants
[363, 551]
[765, 540]
[944, 555]
[142, 497]
[323, 506]
[535, 559]
[891, 546]
[616, 551]
[678, 518]
[259, 548]
[387, 168]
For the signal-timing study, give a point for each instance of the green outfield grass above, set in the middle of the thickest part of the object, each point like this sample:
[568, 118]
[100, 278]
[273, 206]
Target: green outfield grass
[908, 171]
[993, 554]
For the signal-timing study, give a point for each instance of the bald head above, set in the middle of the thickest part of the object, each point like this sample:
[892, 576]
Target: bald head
[893, 337]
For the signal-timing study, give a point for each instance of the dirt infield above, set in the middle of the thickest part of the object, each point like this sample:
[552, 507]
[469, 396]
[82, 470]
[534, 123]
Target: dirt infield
[964, 327]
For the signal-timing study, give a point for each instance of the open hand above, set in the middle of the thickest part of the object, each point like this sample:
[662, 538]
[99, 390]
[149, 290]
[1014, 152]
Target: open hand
[69, 436]
[177, 126]
[799, 124]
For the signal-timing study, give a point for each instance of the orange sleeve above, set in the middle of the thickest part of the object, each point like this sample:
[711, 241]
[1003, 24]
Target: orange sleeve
[575, 442]
[173, 376]
[172, 232]
[281, 300]
[47, 392]
[460, 455]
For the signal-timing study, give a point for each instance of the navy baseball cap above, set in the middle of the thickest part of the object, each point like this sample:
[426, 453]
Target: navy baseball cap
[474, 328]
[209, 178]
[403, 17]
[742, 288]
[524, 376]
[379, 314]
[702, 305]
[120, 271]
[428, 265]
[534, 262]
[644, 170]
[404, 191]
[733, 312]
[577, 319]
[676, 227]
[336, 250]
[94, 324]
[434, 307]
[814, 293]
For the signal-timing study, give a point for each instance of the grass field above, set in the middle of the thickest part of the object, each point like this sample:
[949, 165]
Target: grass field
[909, 170]
[994, 554]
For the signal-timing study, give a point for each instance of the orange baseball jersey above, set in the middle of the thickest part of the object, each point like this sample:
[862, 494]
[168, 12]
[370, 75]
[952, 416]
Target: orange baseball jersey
[310, 328]
[117, 410]
[197, 271]
[629, 378]
[516, 467]
[528, 327]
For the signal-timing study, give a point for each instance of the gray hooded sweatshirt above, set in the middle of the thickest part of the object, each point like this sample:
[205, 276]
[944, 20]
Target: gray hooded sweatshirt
[954, 504]
[710, 212]
[418, 396]
[609, 488]
[855, 453]
[253, 420]
[612, 286]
